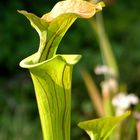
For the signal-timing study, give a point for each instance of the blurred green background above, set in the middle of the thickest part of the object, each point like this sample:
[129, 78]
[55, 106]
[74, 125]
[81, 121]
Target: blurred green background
[18, 110]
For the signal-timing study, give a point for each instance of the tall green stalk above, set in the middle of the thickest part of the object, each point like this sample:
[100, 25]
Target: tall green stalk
[105, 46]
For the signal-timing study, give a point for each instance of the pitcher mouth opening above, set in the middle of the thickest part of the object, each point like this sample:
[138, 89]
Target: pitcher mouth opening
[69, 59]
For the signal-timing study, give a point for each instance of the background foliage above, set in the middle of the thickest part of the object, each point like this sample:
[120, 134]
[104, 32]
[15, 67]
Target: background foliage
[18, 110]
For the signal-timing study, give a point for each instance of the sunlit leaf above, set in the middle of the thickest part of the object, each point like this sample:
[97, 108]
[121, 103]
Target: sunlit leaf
[100, 129]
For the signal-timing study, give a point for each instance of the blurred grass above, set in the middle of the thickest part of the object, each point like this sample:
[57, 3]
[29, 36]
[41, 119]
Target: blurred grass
[18, 110]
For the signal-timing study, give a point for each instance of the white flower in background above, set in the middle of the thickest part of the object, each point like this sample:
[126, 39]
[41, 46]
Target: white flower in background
[123, 101]
[109, 86]
[102, 69]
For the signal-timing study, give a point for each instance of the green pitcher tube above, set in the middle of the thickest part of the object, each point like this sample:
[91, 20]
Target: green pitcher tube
[51, 73]
[52, 83]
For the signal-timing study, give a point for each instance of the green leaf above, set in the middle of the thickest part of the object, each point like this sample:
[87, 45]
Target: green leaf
[52, 26]
[100, 129]
[52, 82]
